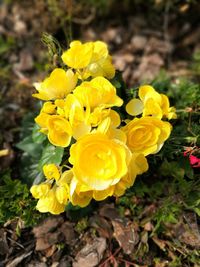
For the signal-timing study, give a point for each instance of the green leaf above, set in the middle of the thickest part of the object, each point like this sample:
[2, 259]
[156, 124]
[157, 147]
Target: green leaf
[37, 136]
[28, 146]
[185, 164]
[51, 154]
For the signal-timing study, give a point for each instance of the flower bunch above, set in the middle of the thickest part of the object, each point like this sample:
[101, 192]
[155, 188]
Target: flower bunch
[103, 153]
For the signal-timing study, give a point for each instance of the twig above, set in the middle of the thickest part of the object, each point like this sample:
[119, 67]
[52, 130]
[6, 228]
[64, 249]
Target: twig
[110, 258]
[17, 243]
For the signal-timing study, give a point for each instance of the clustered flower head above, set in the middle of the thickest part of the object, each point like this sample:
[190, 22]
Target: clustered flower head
[79, 114]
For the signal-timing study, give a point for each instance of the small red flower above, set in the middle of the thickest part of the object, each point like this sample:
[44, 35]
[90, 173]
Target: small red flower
[194, 161]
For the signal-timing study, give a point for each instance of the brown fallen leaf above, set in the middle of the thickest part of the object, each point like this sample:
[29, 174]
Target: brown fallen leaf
[91, 254]
[126, 235]
[67, 229]
[138, 42]
[160, 243]
[48, 233]
[149, 67]
[25, 61]
[186, 231]
[102, 225]
[47, 225]
[109, 211]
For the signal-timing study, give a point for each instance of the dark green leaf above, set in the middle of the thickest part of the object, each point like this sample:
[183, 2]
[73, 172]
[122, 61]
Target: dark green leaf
[51, 154]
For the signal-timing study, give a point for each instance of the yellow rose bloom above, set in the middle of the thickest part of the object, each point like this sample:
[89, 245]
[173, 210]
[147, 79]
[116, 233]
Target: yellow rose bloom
[49, 203]
[59, 84]
[146, 135]
[81, 194]
[98, 161]
[99, 92]
[151, 103]
[59, 131]
[79, 55]
[51, 171]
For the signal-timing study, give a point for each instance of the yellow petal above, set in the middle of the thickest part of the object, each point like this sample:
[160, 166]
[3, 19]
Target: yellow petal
[50, 204]
[134, 107]
[79, 55]
[62, 194]
[51, 171]
[57, 85]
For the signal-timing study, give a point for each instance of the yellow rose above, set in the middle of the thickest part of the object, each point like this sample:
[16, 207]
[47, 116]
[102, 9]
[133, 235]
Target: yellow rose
[59, 84]
[151, 103]
[98, 161]
[79, 55]
[81, 194]
[146, 135]
[51, 171]
[59, 131]
[49, 203]
[99, 92]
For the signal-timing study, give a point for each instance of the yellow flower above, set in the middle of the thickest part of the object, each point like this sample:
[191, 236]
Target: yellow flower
[99, 92]
[81, 194]
[151, 103]
[49, 203]
[98, 161]
[59, 131]
[40, 190]
[59, 84]
[62, 189]
[77, 116]
[51, 171]
[168, 112]
[42, 120]
[49, 108]
[108, 127]
[146, 135]
[101, 62]
[79, 55]
[89, 59]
